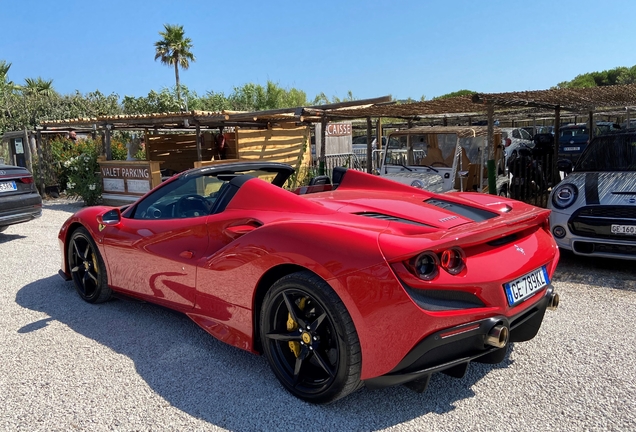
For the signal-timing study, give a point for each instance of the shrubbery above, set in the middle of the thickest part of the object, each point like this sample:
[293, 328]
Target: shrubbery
[74, 167]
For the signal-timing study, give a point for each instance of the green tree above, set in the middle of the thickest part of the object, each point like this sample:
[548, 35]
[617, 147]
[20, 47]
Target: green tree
[174, 49]
[455, 94]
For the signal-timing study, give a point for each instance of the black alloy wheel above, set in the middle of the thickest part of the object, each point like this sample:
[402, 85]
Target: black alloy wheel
[87, 267]
[309, 339]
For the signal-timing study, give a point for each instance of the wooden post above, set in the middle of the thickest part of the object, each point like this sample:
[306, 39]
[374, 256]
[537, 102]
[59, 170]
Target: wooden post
[557, 126]
[27, 151]
[378, 132]
[107, 150]
[492, 175]
[410, 159]
[370, 160]
[323, 145]
[627, 124]
[198, 132]
[38, 144]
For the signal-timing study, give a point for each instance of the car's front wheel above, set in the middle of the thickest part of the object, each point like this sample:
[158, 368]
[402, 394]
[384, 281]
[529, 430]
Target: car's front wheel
[87, 267]
[309, 339]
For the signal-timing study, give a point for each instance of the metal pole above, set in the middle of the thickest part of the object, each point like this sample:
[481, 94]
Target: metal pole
[591, 121]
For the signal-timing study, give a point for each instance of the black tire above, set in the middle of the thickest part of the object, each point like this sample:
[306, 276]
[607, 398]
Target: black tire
[87, 267]
[328, 363]
[3, 228]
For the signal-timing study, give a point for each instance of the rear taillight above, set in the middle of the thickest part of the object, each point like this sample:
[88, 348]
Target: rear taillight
[453, 260]
[425, 266]
[508, 142]
[26, 179]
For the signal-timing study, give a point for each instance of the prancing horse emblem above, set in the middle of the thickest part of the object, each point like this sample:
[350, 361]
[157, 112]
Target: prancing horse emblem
[520, 249]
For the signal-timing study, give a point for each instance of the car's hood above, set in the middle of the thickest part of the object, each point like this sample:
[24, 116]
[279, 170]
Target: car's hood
[605, 188]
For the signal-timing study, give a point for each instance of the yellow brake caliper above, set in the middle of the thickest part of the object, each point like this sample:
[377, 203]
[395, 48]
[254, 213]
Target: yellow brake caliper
[293, 325]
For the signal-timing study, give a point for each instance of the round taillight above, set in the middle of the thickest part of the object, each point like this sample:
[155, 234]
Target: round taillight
[453, 260]
[508, 142]
[425, 265]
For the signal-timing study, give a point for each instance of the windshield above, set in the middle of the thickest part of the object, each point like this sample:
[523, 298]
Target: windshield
[435, 150]
[428, 150]
[609, 153]
[568, 132]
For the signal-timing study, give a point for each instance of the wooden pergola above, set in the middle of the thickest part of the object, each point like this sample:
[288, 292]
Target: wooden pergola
[512, 105]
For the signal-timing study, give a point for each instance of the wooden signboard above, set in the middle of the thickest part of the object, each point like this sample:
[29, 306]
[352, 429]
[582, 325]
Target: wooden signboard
[126, 181]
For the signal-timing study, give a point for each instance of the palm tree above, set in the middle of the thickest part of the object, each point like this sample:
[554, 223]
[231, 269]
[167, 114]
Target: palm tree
[37, 87]
[34, 92]
[174, 49]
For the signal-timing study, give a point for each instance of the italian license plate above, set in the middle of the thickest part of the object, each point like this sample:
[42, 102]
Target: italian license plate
[8, 186]
[526, 286]
[624, 229]
[572, 148]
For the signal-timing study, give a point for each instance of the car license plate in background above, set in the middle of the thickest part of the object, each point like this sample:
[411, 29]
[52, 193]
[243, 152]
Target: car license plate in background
[572, 148]
[527, 285]
[8, 186]
[624, 229]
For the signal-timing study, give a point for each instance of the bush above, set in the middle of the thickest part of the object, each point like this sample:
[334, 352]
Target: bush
[83, 176]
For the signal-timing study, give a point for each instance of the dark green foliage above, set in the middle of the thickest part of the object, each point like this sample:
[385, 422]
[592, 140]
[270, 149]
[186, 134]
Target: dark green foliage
[455, 94]
[618, 75]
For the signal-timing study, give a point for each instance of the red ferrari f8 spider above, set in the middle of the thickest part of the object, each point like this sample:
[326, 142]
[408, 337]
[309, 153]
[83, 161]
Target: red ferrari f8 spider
[354, 280]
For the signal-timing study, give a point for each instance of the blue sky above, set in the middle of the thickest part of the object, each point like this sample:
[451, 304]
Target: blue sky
[372, 48]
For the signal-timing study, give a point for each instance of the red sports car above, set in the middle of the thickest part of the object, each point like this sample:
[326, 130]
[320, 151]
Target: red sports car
[359, 281]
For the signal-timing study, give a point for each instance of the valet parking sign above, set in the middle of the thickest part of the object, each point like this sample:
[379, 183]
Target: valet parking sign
[122, 179]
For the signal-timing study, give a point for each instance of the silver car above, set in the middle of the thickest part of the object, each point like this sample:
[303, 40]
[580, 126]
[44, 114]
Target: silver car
[594, 207]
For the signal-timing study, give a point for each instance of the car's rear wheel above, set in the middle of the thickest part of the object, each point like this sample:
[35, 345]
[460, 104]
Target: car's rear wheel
[3, 228]
[309, 339]
[87, 267]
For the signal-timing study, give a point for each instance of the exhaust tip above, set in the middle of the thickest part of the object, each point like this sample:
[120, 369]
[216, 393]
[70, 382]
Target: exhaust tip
[497, 336]
[553, 301]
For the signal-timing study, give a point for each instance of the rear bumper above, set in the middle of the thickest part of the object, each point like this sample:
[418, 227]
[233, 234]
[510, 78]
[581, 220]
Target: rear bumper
[20, 208]
[452, 349]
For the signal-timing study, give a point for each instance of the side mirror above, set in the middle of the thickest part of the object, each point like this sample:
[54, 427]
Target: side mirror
[565, 165]
[109, 218]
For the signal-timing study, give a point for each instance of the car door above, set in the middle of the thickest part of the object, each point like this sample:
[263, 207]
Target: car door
[154, 249]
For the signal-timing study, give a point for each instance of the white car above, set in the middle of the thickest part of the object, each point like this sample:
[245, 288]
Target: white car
[594, 207]
[513, 138]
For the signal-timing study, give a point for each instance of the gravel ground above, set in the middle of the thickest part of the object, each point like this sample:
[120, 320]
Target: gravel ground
[125, 365]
